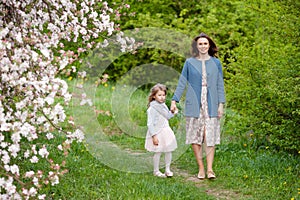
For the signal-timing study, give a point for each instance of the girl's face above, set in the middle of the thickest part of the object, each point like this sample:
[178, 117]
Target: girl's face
[203, 45]
[160, 96]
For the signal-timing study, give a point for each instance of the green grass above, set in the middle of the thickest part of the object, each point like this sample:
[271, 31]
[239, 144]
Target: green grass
[243, 171]
[88, 178]
[252, 175]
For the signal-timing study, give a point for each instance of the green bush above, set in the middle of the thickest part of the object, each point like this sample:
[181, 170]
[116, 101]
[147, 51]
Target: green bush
[264, 81]
[258, 42]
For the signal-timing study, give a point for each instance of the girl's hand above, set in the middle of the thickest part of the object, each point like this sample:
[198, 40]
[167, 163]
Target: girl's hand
[175, 111]
[155, 140]
[220, 110]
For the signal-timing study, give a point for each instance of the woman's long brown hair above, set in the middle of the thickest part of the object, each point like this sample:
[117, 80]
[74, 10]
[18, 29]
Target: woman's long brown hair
[213, 49]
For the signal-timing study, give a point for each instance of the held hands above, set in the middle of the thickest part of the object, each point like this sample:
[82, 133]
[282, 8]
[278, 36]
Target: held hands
[173, 107]
[176, 111]
[220, 110]
[155, 140]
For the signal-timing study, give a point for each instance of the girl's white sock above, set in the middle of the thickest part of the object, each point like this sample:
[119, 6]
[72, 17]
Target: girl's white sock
[168, 159]
[156, 159]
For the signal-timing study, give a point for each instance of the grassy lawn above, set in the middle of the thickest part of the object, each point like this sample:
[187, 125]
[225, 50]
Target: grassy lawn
[112, 163]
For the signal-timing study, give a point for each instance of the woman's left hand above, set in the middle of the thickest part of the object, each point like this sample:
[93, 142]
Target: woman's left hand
[220, 110]
[173, 107]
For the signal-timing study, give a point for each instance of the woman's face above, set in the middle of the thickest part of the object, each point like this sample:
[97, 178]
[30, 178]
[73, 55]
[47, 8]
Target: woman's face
[203, 45]
[160, 96]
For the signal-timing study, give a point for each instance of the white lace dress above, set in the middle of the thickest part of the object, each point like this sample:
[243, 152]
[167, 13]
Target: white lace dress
[158, 116]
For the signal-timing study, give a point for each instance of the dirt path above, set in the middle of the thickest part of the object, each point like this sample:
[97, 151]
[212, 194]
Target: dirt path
[218, 193]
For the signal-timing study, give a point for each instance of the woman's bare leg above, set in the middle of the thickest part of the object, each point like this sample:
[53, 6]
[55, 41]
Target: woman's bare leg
[199, 157]
[210, 153]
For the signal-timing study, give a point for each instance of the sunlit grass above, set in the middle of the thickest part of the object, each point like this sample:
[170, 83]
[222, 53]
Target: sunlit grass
[242, 170]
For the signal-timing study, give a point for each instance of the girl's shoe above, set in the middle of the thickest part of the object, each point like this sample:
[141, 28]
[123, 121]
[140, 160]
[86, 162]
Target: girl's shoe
[169, 174]
[159, 174]
[201, 176]
[211, 175]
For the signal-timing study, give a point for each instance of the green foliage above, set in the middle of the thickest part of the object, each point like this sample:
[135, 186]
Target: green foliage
[259, 48]
[264, 81]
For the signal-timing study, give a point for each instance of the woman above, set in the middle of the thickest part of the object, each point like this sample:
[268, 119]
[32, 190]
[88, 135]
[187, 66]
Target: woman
[205, 98]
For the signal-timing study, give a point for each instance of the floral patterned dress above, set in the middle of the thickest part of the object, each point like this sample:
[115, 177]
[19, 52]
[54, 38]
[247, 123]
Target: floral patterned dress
[205, 128]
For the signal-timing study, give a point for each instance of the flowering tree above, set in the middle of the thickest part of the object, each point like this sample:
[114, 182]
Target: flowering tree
[33, 52]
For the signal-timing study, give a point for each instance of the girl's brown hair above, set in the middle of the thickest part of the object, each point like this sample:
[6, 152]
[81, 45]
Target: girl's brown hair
[213, 49]
[154, 90]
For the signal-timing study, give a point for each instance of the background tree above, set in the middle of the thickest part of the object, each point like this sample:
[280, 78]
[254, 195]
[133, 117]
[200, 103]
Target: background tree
[38, 40]
[259, 48]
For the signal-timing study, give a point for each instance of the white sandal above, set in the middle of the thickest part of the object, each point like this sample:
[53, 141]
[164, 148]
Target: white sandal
[201, 176]
[169, 174]
[211, 175]
[159, 174]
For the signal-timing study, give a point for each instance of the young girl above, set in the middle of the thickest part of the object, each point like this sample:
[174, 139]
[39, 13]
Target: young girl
[160, 137]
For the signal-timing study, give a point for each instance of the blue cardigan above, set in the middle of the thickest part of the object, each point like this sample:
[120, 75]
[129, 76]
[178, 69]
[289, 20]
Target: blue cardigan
[191, 77]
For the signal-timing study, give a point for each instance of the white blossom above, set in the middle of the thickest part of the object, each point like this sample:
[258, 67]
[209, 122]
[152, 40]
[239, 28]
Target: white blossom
[43, 152]
[29, 84]
[45, 52]
[14, 149]
[29, 174]
[2, 181]
[63, 63]
[41, 197]
[35, 181]
[49, 136]
[34, 159]
[32, 191]
[14, 169]
[27, 154]
[59, 147]
[5, 157]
